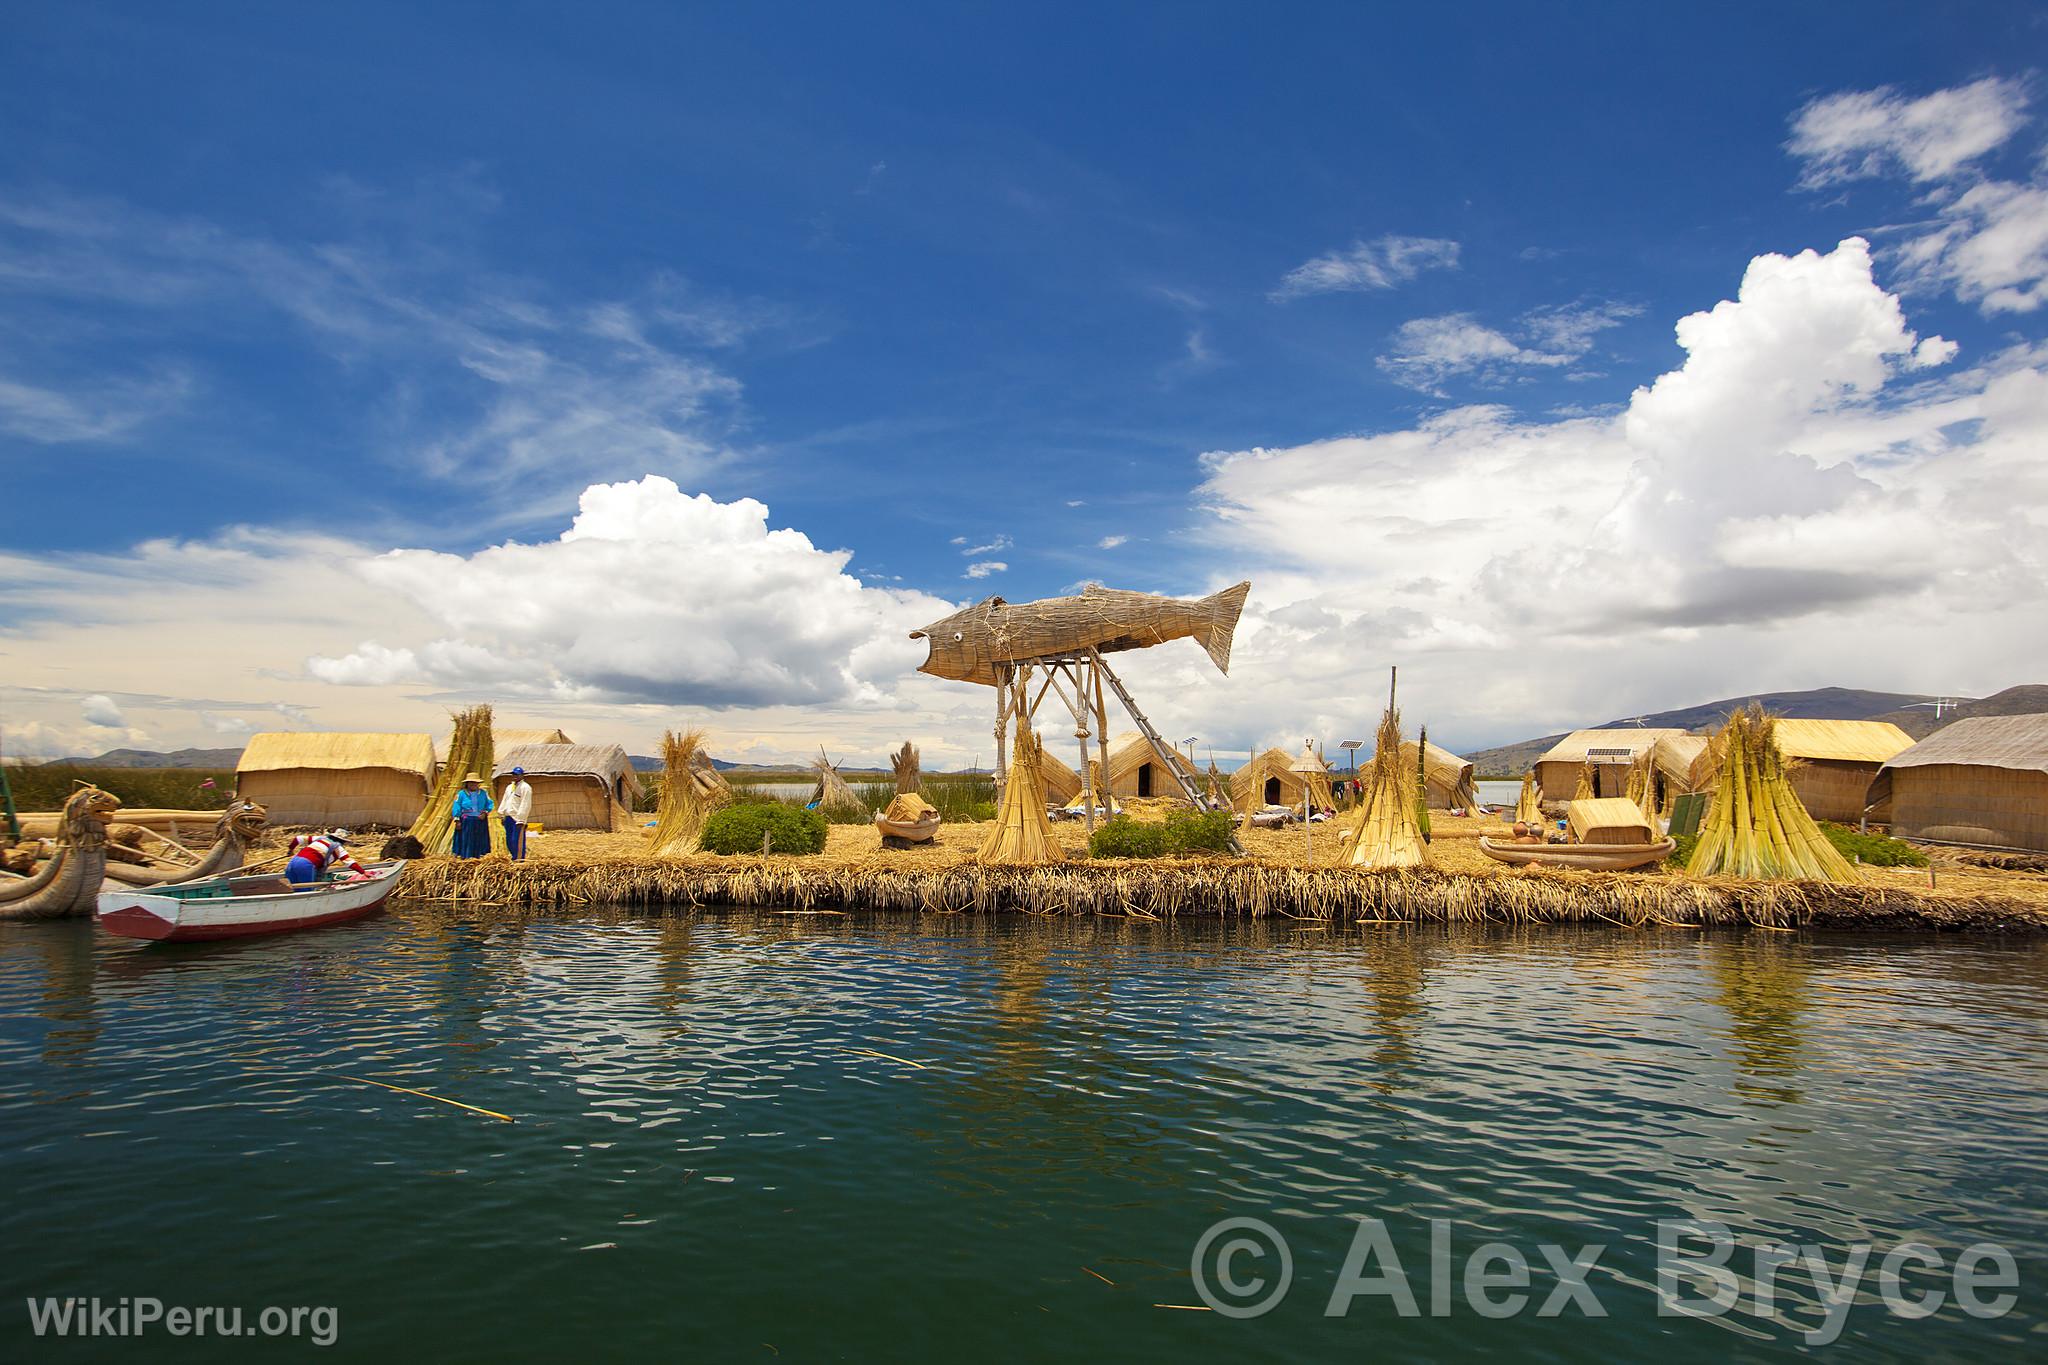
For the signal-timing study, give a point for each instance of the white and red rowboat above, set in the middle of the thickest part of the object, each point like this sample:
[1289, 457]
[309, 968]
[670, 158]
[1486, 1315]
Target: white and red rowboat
[240, 907]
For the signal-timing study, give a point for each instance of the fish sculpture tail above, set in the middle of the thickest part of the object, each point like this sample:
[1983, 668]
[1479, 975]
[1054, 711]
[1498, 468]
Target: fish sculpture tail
[1219, 631]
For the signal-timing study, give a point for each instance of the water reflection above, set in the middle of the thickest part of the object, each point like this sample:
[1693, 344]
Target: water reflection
[1762, 983]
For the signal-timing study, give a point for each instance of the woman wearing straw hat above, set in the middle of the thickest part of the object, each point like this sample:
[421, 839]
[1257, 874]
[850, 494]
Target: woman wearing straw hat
[471, 810]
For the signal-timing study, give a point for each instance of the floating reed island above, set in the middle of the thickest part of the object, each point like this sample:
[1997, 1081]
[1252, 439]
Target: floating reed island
[1276, 880]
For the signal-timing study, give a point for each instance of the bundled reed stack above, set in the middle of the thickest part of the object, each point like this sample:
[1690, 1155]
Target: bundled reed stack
[471, 750]
[1584, 791]
[830, 791]
[1385, 833]
[1422, 780]
[1022, 834]
[1756, 826]
[1642, 786]
[909, 819]
[690, 790]
[1529, 805]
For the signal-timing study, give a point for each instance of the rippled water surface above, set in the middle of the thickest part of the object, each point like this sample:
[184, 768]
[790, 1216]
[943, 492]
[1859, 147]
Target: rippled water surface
[936, 1137]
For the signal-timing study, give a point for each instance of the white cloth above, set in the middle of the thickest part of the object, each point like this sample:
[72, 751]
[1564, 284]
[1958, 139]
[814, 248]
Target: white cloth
[518, 803]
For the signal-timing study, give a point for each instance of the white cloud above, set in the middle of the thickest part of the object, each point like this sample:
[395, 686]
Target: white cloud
[651, 596]
[232, 727]
[105, 410]
[1806, 500]
[1989, 241]
[983, 568]
[100, 710]
[1861, 133]
[1428, 351]
[1991, 247]
[1111, 542]
[994, 546]
[1382, 263]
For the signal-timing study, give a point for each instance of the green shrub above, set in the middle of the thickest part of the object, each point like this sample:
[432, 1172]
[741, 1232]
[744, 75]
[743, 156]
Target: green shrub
[1124, 837]
[741, 828]
[1184, 832]
[1207, 832]
[1872, 849]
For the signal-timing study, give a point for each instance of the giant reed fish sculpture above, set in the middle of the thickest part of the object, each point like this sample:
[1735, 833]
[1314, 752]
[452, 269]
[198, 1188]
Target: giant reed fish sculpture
[967, 645]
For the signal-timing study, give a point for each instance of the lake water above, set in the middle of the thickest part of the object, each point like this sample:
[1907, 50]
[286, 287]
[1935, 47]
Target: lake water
[771, 1137]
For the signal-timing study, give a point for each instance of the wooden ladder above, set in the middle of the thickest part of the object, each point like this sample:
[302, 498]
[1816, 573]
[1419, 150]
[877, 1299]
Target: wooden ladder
[1167, 757]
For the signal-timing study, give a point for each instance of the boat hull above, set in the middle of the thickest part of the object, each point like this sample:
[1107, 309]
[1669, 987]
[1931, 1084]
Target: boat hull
[1579, 857]
[151, 914]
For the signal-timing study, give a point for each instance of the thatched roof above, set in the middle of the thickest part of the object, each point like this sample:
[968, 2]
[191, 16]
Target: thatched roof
[1441, 767]
[1844, 741]
[278, 750]
[1608, 820]
[1131, 751]
[2017, 742]
[1573, 747]
[1681, 758]
[503, 738]
[1250, 780]
[605, 762]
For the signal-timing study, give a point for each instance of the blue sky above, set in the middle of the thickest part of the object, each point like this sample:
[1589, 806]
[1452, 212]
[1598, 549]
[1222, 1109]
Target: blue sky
[944, 287]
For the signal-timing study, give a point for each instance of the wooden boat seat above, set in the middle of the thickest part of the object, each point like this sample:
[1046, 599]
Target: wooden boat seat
[260, 886]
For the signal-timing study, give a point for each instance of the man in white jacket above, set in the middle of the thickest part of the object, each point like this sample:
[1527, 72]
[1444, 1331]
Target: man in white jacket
[516, 808]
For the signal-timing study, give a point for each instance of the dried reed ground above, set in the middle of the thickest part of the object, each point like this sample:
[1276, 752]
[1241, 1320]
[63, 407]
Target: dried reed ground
[1460, 882]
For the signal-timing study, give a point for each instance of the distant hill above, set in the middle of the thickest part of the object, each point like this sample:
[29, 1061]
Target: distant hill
[2028, 699]
[1820, 703]
[147, 758]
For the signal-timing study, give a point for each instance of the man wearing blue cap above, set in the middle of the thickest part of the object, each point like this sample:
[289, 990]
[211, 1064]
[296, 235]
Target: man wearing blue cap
[515, 806]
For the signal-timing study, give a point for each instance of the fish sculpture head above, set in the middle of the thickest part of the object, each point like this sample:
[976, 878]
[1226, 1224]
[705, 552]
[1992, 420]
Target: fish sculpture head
[957, 645]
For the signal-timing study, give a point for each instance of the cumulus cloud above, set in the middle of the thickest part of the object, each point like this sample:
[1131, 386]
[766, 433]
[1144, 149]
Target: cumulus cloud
[100, 710]
[650, 596]
[1111, 542]
[1991, 247]
[1382, 263]
[994, 546]
[983, 568]
[1811, 489]
[1860, 133]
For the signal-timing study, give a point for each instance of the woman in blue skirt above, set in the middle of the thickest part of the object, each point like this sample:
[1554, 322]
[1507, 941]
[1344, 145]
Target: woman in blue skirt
[472, 810]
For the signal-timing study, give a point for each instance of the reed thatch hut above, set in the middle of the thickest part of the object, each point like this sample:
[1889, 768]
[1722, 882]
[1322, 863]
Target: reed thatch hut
[1608, 820]
[1136, 770]
[1981, 781]
[575, 786]
[1679, 764]
[311, 778]
[1831, 763]
[1611, 753]
[1447, 779]
[1270, 780]
[507, 737]
[1061, 784]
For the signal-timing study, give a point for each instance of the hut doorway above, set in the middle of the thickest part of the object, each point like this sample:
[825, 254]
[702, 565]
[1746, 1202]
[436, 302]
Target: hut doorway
[1145, 779]
[1272, 791]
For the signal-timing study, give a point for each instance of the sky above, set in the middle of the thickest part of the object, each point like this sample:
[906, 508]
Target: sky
[643, 366]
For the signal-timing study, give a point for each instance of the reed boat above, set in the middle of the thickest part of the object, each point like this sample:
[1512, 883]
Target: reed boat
[1581, 857]
[242, 906]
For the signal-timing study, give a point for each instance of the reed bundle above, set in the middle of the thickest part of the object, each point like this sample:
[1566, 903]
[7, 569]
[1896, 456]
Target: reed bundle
[1230, 888]
[1022, 835]
[1529, 804]
[690, 790]
[1756, 826]
[471, 749]
[1584, 790]
[1642, 786]
[1385, 833]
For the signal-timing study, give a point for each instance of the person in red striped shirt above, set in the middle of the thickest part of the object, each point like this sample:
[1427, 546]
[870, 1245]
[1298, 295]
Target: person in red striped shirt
[313, 854]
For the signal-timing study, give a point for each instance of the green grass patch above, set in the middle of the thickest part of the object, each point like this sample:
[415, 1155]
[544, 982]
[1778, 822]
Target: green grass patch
[1874, 850]
[745, 825]
[1185, 832]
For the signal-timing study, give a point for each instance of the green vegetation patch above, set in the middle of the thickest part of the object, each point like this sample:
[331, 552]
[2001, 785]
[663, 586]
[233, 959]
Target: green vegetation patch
[1184, 832]
[742, 828]
[1873, 850]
